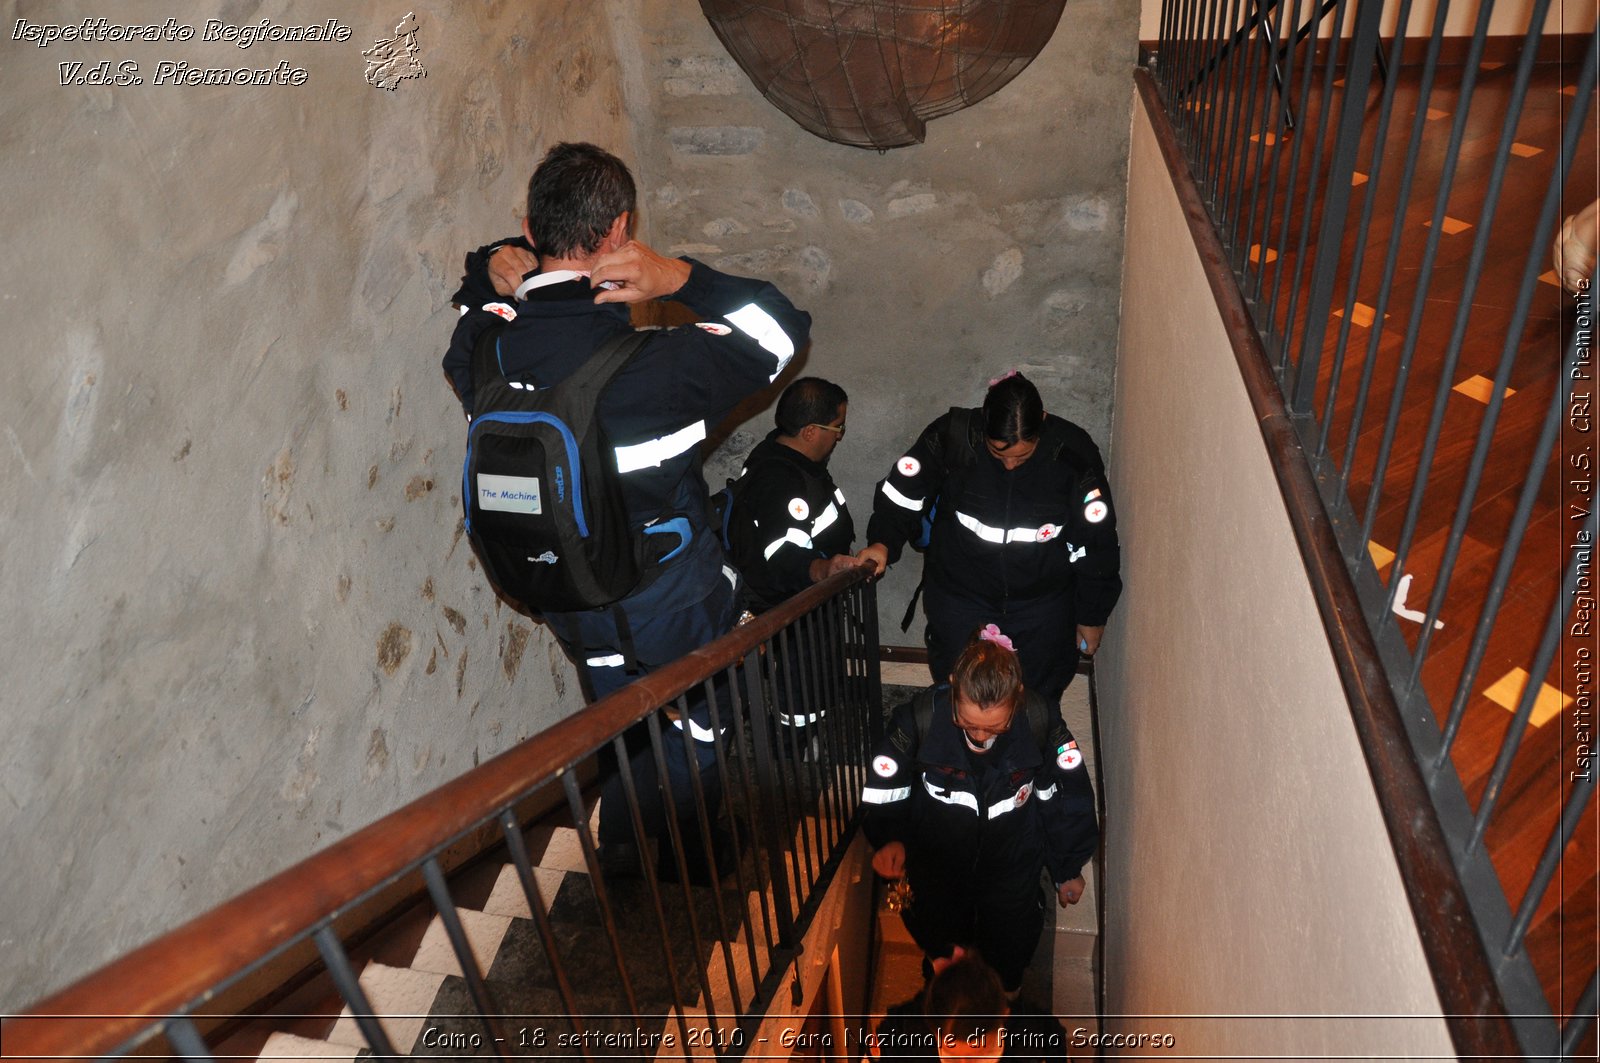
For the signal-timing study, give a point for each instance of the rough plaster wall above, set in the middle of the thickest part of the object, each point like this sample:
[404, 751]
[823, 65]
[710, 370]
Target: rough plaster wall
[928, 270]
[240, 623]
[1251, 873]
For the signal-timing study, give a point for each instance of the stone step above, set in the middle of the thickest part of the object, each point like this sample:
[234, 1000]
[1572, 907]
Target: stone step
[401, 998]
[288, 1047]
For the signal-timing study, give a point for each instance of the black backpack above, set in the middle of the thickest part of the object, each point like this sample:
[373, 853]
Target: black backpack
[543, 499]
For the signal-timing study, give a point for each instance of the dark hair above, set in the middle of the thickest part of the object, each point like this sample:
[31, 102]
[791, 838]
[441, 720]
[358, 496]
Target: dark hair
[574, 196]
[809, 400]
[1013, 411]
[986, 673]
[965, 998]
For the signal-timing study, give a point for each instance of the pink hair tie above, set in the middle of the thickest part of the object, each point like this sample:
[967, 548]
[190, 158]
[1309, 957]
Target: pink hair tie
[997, 380]
[991, 633]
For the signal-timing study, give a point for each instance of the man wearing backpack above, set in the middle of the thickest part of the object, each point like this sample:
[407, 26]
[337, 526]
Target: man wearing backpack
[653, 413]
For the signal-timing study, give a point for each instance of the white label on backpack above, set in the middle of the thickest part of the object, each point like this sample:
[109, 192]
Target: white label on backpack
[509, 494]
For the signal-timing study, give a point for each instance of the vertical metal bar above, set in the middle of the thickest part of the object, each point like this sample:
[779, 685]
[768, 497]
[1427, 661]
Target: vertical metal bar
[597, 882]
[349, 987]
[703, 814]
[679, 849]
[1358, 256]
[1397, 231]
[1419, 302]
[476, 989]
[630, 794]
[1577, 805]
[1243, 112]
[730, 677]
[541, 915]
[1536, 672]
[1572, 1034]
[1501, 579]
[1217, 115]
[827, 812]
[1336, 203]
[1491, 416]
[833, 637]
[761, 745]
[1275, 135]
[1213, 93]
[793, 680]
[1291, 185]
[1259, 69]
[183, 1036]
[753, 804]
[1166, 47]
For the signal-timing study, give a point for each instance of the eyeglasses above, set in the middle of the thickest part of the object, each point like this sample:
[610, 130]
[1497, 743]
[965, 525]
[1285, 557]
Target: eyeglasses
[839, 428]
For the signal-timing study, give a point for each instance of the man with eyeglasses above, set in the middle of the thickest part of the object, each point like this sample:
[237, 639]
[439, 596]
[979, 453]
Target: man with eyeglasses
[787, 524]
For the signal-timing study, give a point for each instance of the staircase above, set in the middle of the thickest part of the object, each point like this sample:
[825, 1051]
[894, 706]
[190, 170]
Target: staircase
[426, 1009]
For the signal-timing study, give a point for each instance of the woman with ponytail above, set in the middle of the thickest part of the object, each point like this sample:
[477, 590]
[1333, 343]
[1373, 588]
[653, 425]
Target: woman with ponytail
[1014, 510]
[976, 787]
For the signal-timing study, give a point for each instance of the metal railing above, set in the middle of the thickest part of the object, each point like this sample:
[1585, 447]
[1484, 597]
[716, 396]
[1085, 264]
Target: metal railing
[1288, 152]
[792, 799]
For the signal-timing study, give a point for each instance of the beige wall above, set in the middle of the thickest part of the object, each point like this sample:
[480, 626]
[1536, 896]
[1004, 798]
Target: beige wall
[1249, 872]
[1510, 17]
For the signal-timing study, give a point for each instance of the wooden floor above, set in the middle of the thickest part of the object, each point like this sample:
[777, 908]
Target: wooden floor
[1563, 938]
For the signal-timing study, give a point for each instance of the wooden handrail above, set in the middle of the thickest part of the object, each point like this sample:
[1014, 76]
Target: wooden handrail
[120, 1000]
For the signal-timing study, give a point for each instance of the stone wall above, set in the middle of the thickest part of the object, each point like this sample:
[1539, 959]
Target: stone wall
[242, 620]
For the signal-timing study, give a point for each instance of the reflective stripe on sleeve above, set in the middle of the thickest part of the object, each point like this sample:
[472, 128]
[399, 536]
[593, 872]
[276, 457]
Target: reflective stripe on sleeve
[652, 453]
[612, 660]
[761, 327]
[793, 535]
[950, 797]
[825, 519]
[877, 795]
[899, 499]
[701, 734]
[1047, 793]
[791, 721]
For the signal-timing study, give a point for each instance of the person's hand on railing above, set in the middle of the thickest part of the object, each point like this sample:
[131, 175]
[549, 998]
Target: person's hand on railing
[890, 861]
[823, 567]
[1089, 638]
[1574, 250]
[1070, 891]
[877, 555]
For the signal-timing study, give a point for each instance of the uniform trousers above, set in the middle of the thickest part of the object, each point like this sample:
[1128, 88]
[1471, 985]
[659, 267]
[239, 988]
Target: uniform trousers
[1043, 631]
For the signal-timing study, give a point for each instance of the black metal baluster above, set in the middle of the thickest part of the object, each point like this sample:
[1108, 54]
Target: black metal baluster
[602, 899]
[183, 1036]
[349, 987]
[1391, 260]
[541, 917]
[439, 892]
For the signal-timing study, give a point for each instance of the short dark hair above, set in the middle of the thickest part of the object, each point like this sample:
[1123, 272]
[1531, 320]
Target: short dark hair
[1013, 411]
[809, 400]
[965, 998]
[575, 194]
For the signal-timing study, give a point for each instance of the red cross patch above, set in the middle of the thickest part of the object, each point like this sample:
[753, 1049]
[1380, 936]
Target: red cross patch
[501, 309]
[1048, 532]
[885, 766]
[909, 466]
